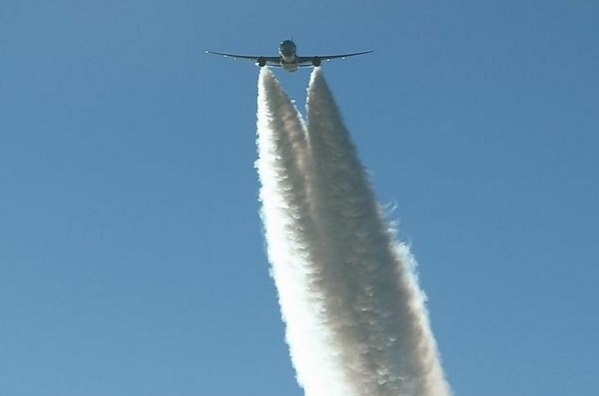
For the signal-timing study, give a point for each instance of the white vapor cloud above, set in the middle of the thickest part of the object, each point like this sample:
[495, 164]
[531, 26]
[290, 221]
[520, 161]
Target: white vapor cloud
[356, 321]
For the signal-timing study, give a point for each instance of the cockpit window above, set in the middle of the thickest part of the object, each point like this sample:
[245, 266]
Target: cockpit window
[287, 48]
[288, 43]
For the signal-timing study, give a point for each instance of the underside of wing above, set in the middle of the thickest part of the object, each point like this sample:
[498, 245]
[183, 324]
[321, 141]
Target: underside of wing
[317, 59]
[261, 60]
[251, 58]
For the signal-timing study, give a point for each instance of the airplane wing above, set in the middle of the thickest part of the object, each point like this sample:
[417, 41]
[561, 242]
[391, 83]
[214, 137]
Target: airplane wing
[312, 60]
[268, 60]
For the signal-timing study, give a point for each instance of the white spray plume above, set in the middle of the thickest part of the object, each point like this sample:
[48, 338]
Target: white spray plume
[356, 321]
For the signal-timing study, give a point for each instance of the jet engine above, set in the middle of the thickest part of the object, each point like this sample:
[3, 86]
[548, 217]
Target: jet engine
[261, 61]
[316, 61]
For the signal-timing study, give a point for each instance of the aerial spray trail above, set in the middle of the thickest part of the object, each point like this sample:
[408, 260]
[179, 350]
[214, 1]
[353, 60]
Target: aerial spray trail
[387, 343]
[356, 319]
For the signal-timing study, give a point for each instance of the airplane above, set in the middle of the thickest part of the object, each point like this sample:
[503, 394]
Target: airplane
[288, 58]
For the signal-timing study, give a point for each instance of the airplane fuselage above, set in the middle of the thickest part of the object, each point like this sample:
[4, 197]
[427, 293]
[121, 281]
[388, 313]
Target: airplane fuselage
[289, 61]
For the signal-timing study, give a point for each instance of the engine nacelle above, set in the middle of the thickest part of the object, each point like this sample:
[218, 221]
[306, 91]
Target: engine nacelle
[261, 61]
[316, 61]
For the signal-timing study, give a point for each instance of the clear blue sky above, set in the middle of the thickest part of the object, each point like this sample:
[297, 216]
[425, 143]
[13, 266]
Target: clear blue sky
[131, 255]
